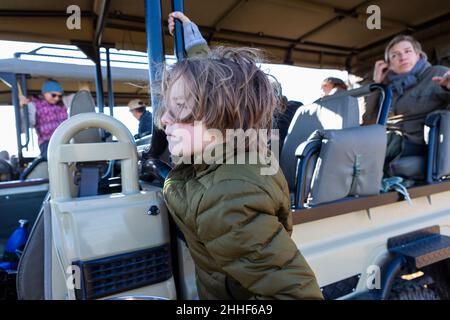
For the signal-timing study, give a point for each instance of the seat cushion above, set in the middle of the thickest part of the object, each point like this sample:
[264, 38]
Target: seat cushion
[412, 167]
[332, 112]
[443, 153]
[350, 163]
[30, 273]
[82, 102]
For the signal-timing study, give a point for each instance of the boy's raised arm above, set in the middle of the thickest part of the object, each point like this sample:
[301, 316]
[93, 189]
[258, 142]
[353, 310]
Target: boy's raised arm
[194, 43]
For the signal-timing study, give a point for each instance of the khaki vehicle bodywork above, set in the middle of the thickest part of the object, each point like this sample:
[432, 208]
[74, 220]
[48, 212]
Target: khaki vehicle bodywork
[122, 223]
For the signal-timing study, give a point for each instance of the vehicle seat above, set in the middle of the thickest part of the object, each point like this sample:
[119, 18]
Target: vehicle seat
[82, 102]
[438, 157]
[30, 276]
[332, 112]
[434, 165]
[88, 174]
[335, 164]
[30, 272]
[6, 170]
[410, 167]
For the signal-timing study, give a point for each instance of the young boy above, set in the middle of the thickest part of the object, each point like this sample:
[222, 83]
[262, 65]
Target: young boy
[236, 221]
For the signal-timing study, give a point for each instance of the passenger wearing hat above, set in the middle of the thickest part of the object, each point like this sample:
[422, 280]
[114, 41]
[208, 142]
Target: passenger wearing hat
[46, 112]
[138, 110]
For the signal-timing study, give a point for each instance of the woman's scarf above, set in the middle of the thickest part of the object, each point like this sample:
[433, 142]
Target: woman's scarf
[404, 81]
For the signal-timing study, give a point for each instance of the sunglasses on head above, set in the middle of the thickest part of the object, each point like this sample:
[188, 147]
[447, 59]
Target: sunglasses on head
[56, 95]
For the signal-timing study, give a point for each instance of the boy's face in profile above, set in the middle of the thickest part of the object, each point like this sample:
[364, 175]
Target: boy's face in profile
[180, 135]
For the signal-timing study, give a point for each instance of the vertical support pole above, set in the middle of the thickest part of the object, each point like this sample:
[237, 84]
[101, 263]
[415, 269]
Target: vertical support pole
[155, 52]
[178, 5]
[11, 80]
[431, 155]
[110, 84]
[155, 46]
[16, 103]
[23, 84]
[99, 81]
[385, 102]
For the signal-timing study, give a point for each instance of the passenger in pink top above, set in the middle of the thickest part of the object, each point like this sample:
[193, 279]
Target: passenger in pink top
[49, 112]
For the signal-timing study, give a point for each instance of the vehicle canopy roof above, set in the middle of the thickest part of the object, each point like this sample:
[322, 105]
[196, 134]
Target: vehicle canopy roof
[128, 82]
[313, 33]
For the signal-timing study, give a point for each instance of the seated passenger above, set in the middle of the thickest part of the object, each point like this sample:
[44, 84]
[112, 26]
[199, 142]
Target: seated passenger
[238, 222]
[283, 117]
[418, 89]
[46, 112]
[332, 85]
[139, 110]
[4, 155]
[6, 169]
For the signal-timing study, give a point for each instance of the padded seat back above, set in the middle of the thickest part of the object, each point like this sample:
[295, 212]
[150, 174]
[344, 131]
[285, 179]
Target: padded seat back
[82, 102]
[31, 269]
[333, 112]
[438, 145]
[411, 167]
[350, 163]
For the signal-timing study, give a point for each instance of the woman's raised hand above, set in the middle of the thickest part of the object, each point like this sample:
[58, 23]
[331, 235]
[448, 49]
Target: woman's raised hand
[444, 80]
[380, 71]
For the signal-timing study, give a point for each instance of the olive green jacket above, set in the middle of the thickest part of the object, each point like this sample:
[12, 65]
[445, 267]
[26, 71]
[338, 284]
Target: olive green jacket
[237, 224]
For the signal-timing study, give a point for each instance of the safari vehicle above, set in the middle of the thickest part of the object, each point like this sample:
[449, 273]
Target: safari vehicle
[25, 179]
[361, 244]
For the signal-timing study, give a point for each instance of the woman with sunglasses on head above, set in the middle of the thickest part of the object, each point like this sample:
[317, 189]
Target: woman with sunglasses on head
[47, 112]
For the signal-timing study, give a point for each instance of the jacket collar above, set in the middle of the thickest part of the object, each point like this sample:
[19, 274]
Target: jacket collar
[196, 168]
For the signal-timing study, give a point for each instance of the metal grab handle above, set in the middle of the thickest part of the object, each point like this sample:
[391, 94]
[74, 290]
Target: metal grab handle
[178, 5]
[385, 101]
[60, 152]
[24, 91]
[27, 128]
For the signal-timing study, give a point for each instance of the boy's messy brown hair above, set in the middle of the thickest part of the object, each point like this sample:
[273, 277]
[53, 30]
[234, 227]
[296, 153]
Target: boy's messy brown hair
[228, 88]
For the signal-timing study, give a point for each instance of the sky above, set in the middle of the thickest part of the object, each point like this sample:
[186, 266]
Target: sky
[301, 84]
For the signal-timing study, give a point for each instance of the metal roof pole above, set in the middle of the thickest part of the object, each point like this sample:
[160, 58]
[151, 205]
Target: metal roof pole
[178, 5]
[110, 84]
[99, 82]
[16, 103]
[155, 46]
[93, 53]
[11, 80]
[155, 53]
[103, 10]
[24, 87]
